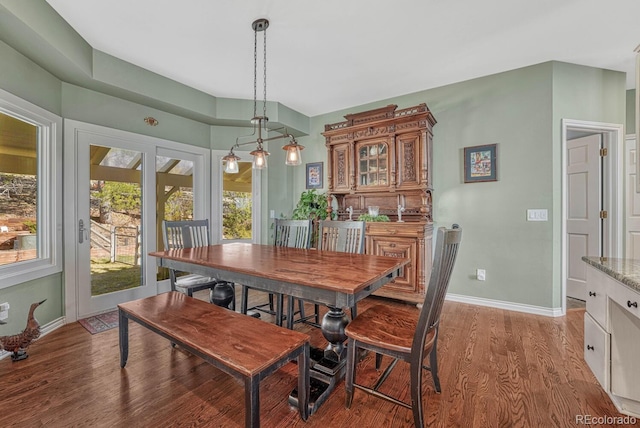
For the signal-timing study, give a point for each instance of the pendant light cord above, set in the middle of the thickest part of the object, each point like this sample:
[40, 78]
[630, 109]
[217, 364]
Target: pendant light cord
[264, 103]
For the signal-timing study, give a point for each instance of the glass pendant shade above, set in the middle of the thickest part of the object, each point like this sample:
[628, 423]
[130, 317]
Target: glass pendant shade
[259, 159]
[231, 166]
[293, 155]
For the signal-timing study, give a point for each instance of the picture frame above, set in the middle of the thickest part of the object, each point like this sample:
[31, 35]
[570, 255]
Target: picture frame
[314, 175]
[480, 163]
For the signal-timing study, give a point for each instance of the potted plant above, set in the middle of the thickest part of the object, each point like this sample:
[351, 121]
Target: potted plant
[313, 206]
[369, 217]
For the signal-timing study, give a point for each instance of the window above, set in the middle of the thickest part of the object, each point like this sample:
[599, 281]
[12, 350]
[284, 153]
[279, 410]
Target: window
[30, 191]
[237, 203]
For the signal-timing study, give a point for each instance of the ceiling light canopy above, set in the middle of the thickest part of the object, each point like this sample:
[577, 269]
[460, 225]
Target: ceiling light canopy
[260, 122]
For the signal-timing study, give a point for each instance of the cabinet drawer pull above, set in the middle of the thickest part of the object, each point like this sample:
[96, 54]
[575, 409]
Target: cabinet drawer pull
[392, 232]
[589, 348]
[592, 293]
[392, 245]
[631, 304]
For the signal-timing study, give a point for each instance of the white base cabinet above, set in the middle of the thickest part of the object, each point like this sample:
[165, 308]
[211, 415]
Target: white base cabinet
[612, 338]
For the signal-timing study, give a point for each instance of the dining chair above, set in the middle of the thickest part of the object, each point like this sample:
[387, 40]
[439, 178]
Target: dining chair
[287, 233]
[340, 236]
[191, 234]
[409, 334]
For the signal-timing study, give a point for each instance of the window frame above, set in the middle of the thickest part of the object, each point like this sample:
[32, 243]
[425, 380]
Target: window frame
[49, 202]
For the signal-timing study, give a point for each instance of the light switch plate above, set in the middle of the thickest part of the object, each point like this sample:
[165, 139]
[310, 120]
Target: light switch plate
[537, 215]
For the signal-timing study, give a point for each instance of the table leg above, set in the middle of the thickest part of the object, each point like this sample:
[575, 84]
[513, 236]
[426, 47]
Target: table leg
[222, 294]
[333, 325]
[328, 365]
[123, 332]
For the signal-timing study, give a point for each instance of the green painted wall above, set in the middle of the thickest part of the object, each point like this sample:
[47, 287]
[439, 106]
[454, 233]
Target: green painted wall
[25, 79]
[520, 111]
[21, 296]
[94, 107]
[630, 122]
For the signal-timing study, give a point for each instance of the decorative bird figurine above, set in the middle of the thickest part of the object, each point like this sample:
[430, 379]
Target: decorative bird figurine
[18, 343]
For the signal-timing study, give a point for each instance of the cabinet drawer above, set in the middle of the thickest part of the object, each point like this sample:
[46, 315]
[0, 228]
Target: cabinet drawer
[597, 295]
[596, 350]
[404, 248]
[408, 229]
[625, 348]
[627, 298]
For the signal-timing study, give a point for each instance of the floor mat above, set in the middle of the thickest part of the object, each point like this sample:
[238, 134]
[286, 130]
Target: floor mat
[100, 323]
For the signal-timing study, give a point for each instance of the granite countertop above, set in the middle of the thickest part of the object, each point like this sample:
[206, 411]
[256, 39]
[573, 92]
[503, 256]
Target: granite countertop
[626, 271]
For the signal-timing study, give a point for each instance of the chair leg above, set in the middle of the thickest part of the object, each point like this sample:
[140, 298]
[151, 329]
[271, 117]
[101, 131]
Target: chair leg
[244, 300]
[354, 312]
[317, 313]
[290, 312]
[279, 305]
[271, 302]
[232, 305]
[301, 309]
[416, 393]
[378, 361]
[351, 372]
[433, 363]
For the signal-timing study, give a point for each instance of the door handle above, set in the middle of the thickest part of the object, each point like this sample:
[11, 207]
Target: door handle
[82, 232]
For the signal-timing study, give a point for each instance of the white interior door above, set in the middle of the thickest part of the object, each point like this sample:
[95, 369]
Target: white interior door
[584, 203]
[632, 202]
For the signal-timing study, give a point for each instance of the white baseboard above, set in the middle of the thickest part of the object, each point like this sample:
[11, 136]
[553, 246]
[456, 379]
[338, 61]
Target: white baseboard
[44, 330]
[510, 306]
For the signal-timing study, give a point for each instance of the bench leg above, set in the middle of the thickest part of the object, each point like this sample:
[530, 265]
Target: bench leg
[123, 331]
[252, 401]
[303, 382]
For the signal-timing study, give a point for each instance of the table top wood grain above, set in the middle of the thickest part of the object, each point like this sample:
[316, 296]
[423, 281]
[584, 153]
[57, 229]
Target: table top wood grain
[338, 272]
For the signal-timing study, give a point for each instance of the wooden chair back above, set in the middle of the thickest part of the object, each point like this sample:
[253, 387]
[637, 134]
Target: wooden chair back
[185, 234]
[447, 243]
[342, 236]
[292, 233]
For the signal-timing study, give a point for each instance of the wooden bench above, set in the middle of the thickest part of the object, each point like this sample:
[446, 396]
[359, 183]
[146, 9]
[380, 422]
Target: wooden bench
[242, 346]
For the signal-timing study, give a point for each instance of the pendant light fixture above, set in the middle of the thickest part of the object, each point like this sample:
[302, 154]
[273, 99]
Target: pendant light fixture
[260, 122]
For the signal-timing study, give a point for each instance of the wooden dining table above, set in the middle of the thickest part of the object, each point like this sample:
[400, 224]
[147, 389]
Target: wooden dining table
[337, 280]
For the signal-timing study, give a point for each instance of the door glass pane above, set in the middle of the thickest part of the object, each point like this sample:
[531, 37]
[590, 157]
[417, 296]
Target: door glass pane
[115, 211]
[237, 203]
[174, 198]
[18, 190]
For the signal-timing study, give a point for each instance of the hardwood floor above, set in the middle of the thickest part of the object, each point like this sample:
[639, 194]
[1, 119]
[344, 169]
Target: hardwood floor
[497, 369]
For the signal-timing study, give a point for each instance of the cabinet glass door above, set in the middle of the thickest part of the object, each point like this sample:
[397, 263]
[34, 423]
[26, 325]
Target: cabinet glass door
[372, 164]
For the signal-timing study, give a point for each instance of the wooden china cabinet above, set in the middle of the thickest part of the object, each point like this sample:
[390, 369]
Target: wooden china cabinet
[382, 158]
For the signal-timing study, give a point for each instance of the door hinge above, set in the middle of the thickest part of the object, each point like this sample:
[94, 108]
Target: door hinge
[603, 214]
[603, 152]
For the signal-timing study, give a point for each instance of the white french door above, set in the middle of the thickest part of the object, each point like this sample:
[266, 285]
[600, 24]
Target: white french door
[118, 186]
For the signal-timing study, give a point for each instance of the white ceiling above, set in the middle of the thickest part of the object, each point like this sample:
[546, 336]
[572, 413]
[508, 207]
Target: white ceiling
[328, 55]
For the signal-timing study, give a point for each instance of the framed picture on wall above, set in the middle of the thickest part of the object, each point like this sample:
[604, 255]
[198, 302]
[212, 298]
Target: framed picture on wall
[480, 163]
[314, 175]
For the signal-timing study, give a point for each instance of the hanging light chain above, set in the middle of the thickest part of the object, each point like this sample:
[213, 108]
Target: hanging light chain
[264, 103]
[255, 72]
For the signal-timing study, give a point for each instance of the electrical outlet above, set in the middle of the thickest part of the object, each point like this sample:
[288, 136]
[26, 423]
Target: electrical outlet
[481, 274]
[272, 214]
